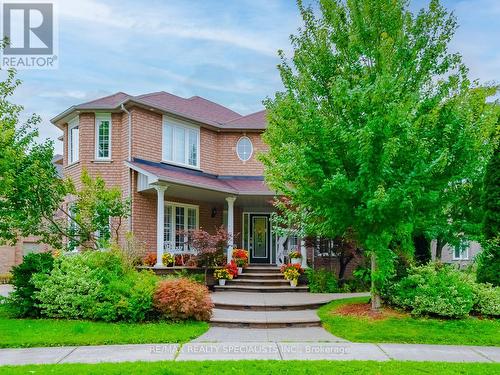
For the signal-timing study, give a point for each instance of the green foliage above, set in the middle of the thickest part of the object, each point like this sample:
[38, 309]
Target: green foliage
[321, 281]
[487, 299]
[96, 286]
[30, 190]
[89, 220]
[488, 270]
[377, 122]
[435, 289]
[22, 300]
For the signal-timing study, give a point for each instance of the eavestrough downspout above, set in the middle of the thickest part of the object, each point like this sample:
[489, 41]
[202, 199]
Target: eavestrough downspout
[129, 159]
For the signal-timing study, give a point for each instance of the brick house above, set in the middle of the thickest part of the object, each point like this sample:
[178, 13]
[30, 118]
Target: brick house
[184, 163]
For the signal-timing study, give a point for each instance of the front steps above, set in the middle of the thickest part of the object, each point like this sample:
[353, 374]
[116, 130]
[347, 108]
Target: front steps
[261, 298]
[260, 279]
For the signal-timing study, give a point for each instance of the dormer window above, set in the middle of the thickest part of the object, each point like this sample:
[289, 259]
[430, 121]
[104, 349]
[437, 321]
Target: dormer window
[181, 143]
[103, 136]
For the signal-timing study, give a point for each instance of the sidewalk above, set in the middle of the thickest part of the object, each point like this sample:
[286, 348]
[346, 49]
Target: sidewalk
[199, 351]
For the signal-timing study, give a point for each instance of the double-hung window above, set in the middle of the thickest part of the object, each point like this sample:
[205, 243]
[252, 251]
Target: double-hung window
[461, 251]
[103, 136]
[179, 218]
[73, 140]
[181, 143]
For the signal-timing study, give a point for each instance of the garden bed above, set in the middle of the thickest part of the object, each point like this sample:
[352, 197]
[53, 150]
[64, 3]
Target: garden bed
[351, 320]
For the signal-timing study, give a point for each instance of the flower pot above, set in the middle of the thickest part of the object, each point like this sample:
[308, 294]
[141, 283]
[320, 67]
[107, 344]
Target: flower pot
[222, 282]
[293, 283]
[240, 270]
[296, 261]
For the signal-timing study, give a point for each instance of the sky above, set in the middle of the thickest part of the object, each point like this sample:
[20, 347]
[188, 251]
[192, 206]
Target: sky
[225, 51]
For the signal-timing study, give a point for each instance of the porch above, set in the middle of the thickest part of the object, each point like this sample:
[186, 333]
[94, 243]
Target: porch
[179, 199]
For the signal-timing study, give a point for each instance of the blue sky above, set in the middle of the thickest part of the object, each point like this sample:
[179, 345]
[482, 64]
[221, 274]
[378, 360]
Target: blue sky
[222, 50]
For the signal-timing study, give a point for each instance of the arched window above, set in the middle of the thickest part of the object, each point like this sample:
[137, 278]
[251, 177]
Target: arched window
[244, 148]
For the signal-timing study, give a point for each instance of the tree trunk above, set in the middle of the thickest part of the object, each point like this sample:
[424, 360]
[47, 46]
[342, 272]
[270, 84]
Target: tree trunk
[439, 248]
[375, 294]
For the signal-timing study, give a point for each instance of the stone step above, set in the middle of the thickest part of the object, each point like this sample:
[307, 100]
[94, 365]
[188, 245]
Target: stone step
[256, 269]
[260, 289]
[256, 275]
[265, 319]
[249, 306]
[259, 282]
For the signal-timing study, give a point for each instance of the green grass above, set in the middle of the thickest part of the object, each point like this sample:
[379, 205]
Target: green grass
[406, 329]
[17, 333]
[260, 367]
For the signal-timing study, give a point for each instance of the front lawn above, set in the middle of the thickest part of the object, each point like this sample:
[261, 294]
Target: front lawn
[402, 328]
[17, 333]
[260, 367]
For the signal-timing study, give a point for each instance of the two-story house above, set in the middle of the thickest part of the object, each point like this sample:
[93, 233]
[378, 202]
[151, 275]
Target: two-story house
[184, 163]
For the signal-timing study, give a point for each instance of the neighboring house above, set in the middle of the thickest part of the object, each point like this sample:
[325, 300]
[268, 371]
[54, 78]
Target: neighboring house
[461, 255]
[13, 255]
[184, 163]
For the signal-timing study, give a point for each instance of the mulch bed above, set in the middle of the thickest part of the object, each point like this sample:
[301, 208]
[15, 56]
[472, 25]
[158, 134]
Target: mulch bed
[364, 310]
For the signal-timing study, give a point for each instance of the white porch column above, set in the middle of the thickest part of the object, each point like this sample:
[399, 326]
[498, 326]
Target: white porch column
[160, 225]
[303, 252]
[230, 226]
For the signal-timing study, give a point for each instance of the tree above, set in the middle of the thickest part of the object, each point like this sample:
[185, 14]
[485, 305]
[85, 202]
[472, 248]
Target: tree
[29, 185]
[489, 261]
[376, 121]
[91, 217]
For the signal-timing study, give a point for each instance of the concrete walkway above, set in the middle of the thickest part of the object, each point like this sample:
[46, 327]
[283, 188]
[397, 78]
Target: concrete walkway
[198, 351]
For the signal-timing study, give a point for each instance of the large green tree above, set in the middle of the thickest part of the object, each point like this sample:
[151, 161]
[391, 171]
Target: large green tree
[29, 185]
[377, 120]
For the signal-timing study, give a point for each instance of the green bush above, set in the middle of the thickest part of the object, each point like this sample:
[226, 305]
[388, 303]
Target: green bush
[95, 285]
[321, 281]
[488, 269]
[22, 300]
[486, 299]
[435, 289]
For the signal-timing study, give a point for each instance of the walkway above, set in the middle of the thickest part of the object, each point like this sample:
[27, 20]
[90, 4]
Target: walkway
[197, 351]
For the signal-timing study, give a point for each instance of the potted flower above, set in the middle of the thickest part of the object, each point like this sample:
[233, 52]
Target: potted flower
[222, 274]
[295, 257]
[292, 274]
[168, 259]
[240, 256]
[232, 269]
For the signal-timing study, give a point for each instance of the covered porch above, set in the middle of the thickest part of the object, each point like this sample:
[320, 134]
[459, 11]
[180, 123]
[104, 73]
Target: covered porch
[183, 199]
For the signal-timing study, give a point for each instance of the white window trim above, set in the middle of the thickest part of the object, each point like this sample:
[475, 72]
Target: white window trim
[172, 219]
[73, 123]
[186, 127]
[102, 117]
[251, 146]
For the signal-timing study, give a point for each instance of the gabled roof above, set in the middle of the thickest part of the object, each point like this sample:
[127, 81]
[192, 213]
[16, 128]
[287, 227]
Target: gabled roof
[194, 108]
[239, 185]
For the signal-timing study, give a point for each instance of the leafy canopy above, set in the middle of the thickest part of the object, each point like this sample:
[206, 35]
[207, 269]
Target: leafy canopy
[377, 120]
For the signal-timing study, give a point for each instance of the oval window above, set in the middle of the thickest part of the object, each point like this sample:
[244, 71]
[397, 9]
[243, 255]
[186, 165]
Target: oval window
[244, 148]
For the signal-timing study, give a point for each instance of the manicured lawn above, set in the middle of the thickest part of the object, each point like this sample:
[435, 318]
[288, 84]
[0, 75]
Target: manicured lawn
[260, 367]
[405, 329]
[16, 333]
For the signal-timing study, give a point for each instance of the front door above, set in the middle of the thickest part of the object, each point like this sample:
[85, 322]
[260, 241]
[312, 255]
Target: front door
[260, 238]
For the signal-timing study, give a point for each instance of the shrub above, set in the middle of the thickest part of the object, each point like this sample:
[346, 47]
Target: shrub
[321, 281]
[95, 285]
[23, 300]
[149, 259]
[434, 289]
[487, 300]
[488, 270]
[183, 299]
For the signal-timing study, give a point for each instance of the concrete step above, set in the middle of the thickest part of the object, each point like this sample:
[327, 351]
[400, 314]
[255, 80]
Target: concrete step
[259, 282]
[260, 289]
[265, 319]
[249, 306]
[256, 275]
